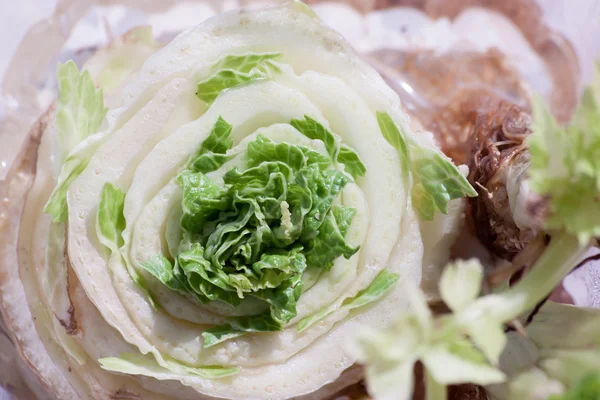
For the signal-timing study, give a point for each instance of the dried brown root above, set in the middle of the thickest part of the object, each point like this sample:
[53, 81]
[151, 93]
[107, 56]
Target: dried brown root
[497, 144]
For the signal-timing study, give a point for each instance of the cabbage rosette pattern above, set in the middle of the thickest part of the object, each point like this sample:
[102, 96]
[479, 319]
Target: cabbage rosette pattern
[221, 216]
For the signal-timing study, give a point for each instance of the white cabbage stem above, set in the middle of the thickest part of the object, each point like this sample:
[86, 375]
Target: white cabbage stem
[519, 194]
[434, 389]
[122, 198]
[554, 264]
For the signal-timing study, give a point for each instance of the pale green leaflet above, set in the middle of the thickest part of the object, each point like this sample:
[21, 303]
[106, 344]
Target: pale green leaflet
[436, 180]
[234, 70]
[80, 112]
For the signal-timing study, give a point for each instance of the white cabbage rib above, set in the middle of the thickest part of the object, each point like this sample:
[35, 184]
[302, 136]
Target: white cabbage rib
[149, 138]
[40, 289]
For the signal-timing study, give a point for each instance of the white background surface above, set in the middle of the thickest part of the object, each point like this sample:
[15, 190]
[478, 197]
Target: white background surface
[579, 20]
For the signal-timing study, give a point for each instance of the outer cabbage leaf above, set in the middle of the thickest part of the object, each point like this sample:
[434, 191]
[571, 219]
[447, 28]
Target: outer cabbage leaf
[218, 140]
[282, 301]
[211, 155]
[436, 180]
[110, 224]
[377, 289]
[296, 157]
[392, 134]
[330, 242]
[352, 162]
[57, 204]
[316, 131]
[80, 112]
[139, 364]
[80, 107]
[202, 199]
[162, 269]
[110, 220]
[234, 70]
[341, 153]
[324, 187]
